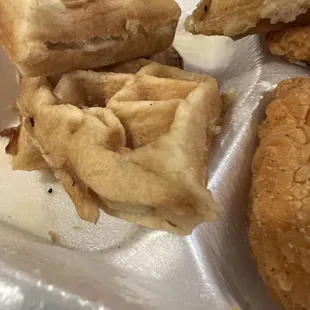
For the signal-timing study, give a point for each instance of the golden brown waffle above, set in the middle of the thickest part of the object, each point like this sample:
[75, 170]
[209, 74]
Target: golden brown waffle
[134, 145]
[25, 155]
[63, 35]
[280, 214]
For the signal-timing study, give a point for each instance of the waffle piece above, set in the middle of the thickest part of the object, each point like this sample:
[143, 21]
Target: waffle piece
[280, 213]
[134, 145]
[242, 17]
[25, 155]
[169, 57]
[28, 157]
[292, 44]
[51, 37]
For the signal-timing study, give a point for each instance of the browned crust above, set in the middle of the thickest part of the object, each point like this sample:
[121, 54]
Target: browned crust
[236, 18]
[280, 215]
[264, 26]
[292, 43]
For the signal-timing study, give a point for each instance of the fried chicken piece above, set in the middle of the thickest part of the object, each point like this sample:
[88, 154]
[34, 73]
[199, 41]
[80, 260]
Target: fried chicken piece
[134, 145]
[292, 44]
[243, 17]
[280, 207]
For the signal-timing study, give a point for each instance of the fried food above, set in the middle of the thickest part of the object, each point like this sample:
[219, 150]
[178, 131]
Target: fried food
[242, 17]
[280, 206]
[134, 145]
[169, 57]
[51, 37]
[292, 44]
[26, 156]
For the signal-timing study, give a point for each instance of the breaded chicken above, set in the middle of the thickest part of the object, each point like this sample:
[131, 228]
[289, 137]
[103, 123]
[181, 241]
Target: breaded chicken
[292, 44]
[243, 17]
[280, 196]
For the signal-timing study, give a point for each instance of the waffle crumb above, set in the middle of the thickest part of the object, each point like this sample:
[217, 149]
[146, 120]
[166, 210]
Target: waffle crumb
[53, 236]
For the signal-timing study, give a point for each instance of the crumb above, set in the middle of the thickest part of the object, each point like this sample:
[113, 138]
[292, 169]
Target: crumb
[228, 99]
[50, 191]
[77, 228]
[53, 236]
